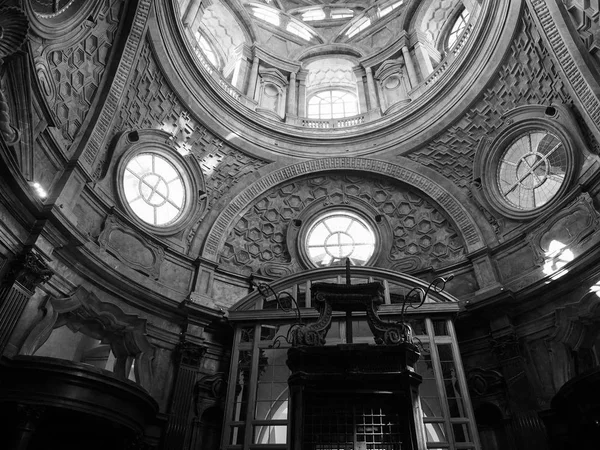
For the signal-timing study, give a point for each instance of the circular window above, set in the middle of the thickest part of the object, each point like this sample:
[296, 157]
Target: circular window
[531, 170]
[336, 235]
[154, 189]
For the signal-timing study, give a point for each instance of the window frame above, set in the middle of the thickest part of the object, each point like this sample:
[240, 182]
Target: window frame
[332, 89]
[138, 142]
[555, 119]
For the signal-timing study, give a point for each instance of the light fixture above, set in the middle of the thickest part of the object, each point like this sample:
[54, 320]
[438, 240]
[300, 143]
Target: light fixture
[39, 190]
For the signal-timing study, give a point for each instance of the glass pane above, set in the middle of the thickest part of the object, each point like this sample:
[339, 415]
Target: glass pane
[337, 235]
[247, 334]
[461, 432]
[440, 327]
[237, 435]
[435, 432]
[154, 189]
[270, 434]
[532, 170]
[268, 332]
[242, 388]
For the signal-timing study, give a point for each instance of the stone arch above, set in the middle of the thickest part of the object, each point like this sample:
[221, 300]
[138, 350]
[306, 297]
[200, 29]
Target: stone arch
[409, 173]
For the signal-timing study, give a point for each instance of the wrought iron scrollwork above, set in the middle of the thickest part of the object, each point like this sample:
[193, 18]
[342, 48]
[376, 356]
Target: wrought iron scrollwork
[366, 297]
[437, 285]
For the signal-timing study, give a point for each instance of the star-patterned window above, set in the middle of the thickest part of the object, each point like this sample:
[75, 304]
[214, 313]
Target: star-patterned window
[154, 189]
[336, 235]
[531, 170]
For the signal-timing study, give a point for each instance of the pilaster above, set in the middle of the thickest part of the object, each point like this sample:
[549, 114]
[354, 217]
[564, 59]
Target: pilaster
[27, 271]
[188, 361]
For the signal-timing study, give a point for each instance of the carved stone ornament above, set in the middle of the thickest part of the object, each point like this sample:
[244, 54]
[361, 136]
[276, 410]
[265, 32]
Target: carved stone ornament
[84, 312]
[190, 354]
[569, 227]
[484, 382]
[13, 30]
[213, 385]
[506, 347]
[348, 297]
[29, 270]
[131, 248]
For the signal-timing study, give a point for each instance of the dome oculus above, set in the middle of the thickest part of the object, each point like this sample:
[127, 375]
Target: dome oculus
[531, 170]
[336, 235]
[154, 189]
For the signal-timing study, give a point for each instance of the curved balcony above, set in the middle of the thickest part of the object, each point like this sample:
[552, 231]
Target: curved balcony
[59, 385]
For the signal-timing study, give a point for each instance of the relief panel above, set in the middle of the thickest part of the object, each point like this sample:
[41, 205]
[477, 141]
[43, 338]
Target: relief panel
[149, 103]
[528, 76]
[70, 72]
[130, 248]
[422, 236]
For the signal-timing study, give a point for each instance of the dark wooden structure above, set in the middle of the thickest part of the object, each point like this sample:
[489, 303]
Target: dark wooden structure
[354, 396]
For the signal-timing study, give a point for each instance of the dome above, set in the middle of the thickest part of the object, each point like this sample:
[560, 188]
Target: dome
[300, 224]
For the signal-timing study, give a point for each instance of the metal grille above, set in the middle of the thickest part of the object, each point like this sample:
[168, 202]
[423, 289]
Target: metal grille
[353, 422]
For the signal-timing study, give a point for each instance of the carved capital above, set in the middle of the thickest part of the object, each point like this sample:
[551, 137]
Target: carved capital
[189, 354]
[506, 347]
[29, 270]
[483, 382]
[214, 386]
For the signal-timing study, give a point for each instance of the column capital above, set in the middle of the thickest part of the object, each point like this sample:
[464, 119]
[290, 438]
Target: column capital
[190, 355]
[28, 269]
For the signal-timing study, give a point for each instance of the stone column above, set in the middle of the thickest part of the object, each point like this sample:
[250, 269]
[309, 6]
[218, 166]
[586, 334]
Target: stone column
[242, 67]
[423, 59]
[209, 393]
[359, 72]
[527, 428]
[253, 77]
[410, 67]
[373, 102]
[188, 360]
[301, 101]
[292, 106]
[27, 271]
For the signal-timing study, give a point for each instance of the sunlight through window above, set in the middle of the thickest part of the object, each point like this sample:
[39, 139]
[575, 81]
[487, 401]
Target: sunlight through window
[154, 189]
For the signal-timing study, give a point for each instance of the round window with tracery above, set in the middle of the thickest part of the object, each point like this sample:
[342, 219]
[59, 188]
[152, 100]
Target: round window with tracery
[531, 170]
[334, 236]
[154, 189]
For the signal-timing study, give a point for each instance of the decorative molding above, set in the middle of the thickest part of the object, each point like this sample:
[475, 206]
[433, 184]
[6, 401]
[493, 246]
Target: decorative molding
[107, 115]
[13, 30]
[70, 67]
[84, 312]
[562, 53]
[570, 227]
[506, 347]
[190, 354]
[131, 248]
[484, 382]
[451, 205]
[528, 75]
[29, 270]
[151, 104]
